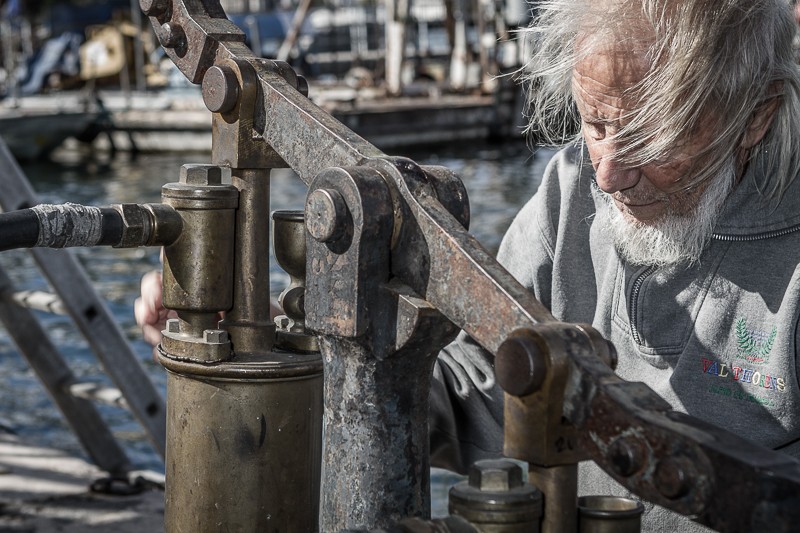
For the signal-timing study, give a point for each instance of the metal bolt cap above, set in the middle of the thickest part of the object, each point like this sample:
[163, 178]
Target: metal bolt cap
[326, 215]
[198, 174]
[220, 89]
[673, 477]
[172, 36]
[520, 365]
[215, 336]
[495, 475]
[626, 455]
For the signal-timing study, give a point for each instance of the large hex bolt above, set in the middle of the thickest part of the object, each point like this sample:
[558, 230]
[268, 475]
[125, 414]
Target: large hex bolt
[220, 89]
[496, 499]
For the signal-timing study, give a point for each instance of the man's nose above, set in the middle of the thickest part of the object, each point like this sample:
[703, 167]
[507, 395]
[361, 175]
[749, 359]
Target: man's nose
[613, 176]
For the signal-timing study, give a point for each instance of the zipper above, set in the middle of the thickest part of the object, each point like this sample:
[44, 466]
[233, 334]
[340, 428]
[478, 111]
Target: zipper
[639, 281]
[755, 236]
[632, 308]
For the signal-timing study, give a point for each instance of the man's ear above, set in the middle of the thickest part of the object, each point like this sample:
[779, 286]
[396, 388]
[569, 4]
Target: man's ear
[763, 116]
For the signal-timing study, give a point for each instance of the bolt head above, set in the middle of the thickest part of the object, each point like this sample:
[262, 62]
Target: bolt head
[495, 475]
[172, 36]
[173, 325]
[520, 365]
[326, 215]
[220, 89]
[193, 174]
[215, 336]
[673, 477]
[626, 456]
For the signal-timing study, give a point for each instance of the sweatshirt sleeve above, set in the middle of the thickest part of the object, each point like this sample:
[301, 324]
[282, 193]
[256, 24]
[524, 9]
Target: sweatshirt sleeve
[466, 420]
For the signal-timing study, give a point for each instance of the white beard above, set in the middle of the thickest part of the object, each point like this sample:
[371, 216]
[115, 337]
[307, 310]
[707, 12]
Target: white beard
[673, 238]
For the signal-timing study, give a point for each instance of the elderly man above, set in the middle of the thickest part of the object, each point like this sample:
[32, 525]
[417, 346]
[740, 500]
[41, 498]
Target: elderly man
[669, 222]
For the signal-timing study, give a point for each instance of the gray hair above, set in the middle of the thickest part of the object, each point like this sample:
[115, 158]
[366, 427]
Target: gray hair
[713, 63]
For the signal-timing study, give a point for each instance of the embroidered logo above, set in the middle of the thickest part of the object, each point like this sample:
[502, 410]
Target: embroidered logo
[747, 371]
[754, 346]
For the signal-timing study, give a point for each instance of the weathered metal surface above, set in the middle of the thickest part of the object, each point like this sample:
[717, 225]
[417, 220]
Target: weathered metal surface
[559, 484]
[230, 428]
[376, 421]
[198, 267]
[378, 348]
[496, 499]
[248, 321]
[677, 461]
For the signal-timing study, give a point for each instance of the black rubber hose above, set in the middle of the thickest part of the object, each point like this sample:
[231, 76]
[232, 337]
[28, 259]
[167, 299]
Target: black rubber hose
[22, 229]
[18, 229]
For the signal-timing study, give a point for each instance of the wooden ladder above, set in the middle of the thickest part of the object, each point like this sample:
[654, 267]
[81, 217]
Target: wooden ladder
[76, 298]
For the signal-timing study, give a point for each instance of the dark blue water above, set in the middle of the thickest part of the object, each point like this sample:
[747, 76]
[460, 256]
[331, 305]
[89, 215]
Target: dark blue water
[499, 179]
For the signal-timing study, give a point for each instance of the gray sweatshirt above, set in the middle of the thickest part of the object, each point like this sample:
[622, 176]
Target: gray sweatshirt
[717, 340]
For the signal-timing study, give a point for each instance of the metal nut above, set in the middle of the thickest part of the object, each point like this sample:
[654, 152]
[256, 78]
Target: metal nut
[495, 475]
[215, 336]
[173, 325]
[220, 89]
[326, 215]
[198, 174]
[136, 225]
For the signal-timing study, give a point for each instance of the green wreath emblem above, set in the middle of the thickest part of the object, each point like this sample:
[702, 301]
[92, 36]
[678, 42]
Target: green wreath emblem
[754, 351]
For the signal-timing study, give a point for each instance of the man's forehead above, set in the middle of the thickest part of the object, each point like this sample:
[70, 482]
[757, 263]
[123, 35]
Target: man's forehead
[613, 66]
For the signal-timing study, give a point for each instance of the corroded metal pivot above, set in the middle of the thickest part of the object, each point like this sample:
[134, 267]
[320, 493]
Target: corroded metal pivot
[379, 342]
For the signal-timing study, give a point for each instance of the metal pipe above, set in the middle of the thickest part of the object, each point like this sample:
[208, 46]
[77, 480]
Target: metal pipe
[248, 322]
[243, 444]
[559, 484]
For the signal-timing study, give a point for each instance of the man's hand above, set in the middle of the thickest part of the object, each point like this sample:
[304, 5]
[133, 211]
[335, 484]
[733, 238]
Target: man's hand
[151, 315]
[149, 309]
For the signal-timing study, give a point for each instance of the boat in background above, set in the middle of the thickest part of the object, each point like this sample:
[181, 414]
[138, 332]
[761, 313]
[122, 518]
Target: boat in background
[34, 126]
